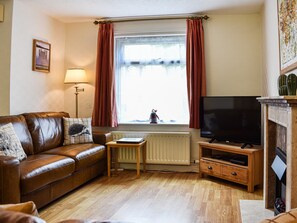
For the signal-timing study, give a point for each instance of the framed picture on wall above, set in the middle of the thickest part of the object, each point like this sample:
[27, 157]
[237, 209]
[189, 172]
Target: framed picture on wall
[41, 56]
[287, 29]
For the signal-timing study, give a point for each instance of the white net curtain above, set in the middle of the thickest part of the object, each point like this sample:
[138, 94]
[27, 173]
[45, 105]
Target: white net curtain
[151, 74]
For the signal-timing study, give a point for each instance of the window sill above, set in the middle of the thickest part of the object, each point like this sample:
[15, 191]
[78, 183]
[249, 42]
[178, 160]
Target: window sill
[148, 124]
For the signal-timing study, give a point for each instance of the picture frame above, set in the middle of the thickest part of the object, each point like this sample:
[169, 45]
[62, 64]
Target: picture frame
[41, 56]
[287, 31]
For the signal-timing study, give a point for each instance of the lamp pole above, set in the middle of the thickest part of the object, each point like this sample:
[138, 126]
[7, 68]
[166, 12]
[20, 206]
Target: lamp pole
[77, 90]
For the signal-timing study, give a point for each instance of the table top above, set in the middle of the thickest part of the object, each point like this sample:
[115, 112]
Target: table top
[114, 143]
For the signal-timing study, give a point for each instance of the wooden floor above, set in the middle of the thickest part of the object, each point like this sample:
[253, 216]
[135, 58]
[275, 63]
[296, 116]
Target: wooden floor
[156, 197]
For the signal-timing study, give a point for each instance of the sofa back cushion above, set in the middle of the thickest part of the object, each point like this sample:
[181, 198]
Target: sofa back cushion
[21, 130]
[46, 129]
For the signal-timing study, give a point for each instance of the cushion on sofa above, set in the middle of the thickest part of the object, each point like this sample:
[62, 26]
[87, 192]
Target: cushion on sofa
[84, 154]
[46, 129]
[10, 144]
[21, 130]
[42, 169]
[77, 130]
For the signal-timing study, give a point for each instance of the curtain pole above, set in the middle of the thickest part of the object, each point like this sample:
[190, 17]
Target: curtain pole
[117, 20]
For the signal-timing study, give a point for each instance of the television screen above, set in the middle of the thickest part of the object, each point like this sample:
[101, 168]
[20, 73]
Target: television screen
[231, 118]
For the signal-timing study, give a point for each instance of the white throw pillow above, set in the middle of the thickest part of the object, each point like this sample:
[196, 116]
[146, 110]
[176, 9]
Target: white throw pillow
[10, 144]
[77, 130]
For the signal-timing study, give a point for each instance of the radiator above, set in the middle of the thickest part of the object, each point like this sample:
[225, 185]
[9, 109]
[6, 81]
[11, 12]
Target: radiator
[162, 147]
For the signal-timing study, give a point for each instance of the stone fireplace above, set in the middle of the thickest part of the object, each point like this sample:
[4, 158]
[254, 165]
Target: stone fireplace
[280, 130]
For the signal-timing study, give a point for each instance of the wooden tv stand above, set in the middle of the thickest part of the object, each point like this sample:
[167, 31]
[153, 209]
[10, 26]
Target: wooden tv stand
[245, 167]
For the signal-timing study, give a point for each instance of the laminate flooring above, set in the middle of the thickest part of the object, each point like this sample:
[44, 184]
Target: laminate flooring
[155, 197]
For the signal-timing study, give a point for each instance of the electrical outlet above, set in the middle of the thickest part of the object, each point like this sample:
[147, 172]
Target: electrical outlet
[196, 161]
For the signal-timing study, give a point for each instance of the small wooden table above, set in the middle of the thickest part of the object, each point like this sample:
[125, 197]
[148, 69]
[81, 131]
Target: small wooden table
[137, 146]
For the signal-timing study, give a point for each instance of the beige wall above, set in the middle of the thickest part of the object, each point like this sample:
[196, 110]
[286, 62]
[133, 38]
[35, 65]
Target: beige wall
[233, 51]
[31, 90]
[271, 69]
[81, 41]
[5, 44]
[233, 54]
[233, 60]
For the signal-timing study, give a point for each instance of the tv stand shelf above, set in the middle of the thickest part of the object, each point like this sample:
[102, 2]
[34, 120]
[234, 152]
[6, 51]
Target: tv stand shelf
[245, 167]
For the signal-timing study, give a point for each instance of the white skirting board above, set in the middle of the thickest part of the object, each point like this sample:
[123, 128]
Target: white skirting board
[192, 168]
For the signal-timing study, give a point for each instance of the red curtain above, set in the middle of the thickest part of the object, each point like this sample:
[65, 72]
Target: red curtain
[196, 80]
[104, 113]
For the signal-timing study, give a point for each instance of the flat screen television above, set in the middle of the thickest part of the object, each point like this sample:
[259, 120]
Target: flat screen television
[231, 118]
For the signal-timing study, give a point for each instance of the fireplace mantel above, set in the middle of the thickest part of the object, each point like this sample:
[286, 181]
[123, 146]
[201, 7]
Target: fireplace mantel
[282, 101]
[280, 130]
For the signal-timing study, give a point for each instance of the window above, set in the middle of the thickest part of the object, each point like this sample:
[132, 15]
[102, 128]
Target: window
[151, 74]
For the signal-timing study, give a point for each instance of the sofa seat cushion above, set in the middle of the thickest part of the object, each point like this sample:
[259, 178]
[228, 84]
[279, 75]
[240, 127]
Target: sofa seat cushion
[40, 170]
[84, 154]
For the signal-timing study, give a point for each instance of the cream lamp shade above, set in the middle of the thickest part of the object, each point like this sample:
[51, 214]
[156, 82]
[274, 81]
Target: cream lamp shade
[75, 76]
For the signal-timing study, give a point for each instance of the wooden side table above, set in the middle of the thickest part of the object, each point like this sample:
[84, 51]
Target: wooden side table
[136, 146]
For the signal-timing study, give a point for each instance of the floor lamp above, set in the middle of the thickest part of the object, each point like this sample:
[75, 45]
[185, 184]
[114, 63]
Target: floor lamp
[76, 76]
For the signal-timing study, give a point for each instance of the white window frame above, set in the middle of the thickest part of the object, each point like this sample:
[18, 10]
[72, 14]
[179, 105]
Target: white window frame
[116, 78]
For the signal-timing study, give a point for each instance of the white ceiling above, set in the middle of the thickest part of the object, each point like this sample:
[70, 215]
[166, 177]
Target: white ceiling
[86, 10]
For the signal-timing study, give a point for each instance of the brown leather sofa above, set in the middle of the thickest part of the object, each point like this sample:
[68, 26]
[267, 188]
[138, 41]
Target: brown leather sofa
[51, 169]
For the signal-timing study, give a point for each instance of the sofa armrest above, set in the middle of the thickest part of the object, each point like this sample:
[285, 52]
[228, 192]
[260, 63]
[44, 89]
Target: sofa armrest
[13, 216]
[286, 217]
[102, 137]
[9, 180]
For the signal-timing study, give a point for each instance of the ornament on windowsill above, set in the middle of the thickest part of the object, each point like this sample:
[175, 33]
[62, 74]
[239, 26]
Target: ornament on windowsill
[154, 117]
